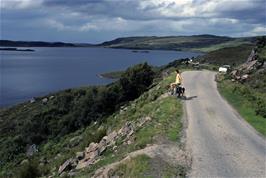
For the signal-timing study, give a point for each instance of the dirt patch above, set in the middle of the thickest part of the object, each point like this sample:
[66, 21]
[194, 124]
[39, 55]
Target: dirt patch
[165, 153]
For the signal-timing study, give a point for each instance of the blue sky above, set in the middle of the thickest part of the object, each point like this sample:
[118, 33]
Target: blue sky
[95, 21]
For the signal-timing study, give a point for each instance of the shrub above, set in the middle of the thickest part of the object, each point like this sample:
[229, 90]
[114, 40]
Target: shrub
[261, 108]
[29, 170]
[136, 80]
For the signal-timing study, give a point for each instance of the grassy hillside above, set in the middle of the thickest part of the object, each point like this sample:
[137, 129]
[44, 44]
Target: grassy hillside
[232, 43]
[250, 104]
[248, 96]
[203, 43]
[165, 126]
[54, 116]
[233, 56]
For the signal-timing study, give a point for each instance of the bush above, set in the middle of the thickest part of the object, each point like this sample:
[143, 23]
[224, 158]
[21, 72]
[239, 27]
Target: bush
[261, 108]
[29, 170]
[136, 80]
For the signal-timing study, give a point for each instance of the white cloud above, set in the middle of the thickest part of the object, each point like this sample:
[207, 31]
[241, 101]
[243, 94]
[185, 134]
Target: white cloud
[20, 4]
[51, 23]
[135, 17]
[256, 31]
[223, 21]
[88, 27]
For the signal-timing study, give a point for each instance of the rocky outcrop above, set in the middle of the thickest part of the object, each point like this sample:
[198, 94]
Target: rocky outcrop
[68, 165]
[92, 153]
[243, 71]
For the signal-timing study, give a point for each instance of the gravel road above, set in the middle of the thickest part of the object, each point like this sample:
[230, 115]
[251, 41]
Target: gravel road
[222, 144]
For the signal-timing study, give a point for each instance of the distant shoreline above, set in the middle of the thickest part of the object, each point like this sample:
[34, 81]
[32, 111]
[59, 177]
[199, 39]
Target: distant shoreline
[16, 49]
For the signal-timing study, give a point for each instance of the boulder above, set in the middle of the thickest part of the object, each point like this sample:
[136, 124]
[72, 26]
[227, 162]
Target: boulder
[80, 155]
[91, 155]
[251, 65]
[105, 138]
[143, 120]
[67, 165]
[84, 163]
[129, 142]
[92, 147]
[126, 128]
[111, 137]
[130, 133]
[114, 148]
[253, 55]
[234, 73]
[238, 77]
[32, 100]
[44, 100]
[244, 77]
[102, 145]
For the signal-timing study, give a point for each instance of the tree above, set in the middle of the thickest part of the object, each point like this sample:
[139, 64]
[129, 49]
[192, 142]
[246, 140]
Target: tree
[136, 80]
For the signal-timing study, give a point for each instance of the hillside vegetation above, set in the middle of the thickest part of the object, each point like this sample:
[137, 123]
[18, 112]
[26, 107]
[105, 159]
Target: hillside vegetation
[55, 135]
[245, 87]
[204, 43]
[233, 56]
[164, 127]
[54, 116]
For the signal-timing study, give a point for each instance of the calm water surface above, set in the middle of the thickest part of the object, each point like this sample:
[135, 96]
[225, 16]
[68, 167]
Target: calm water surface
[28, 74]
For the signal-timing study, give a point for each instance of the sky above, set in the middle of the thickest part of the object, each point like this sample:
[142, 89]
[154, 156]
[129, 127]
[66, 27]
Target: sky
[95, 21]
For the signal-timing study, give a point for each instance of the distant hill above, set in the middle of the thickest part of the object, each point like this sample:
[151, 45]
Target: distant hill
[9, 43]
[203, 43]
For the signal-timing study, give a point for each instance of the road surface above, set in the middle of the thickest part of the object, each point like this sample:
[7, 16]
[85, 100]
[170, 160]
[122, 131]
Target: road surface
[221, 143]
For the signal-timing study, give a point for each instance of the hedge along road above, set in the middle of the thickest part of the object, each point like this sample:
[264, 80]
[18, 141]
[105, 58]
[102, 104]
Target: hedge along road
[221, 143]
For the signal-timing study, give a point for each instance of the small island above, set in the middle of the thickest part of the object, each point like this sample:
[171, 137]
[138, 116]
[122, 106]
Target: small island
[16, 49]
[111, 75]
[140, 51]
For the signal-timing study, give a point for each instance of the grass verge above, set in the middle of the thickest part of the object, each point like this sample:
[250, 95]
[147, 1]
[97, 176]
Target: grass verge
[243, 104]
[137, 167]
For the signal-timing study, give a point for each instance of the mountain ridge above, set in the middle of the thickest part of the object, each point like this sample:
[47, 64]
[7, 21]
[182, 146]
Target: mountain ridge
[193, 42]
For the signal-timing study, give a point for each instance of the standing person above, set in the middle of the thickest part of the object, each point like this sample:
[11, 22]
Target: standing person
[178, 81]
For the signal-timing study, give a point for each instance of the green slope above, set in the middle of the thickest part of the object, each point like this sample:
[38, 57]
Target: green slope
[166, 123]
[204, 43]
[233, 56]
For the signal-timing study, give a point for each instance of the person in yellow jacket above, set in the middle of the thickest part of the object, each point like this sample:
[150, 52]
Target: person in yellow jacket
[178, 80]
[176, 88]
